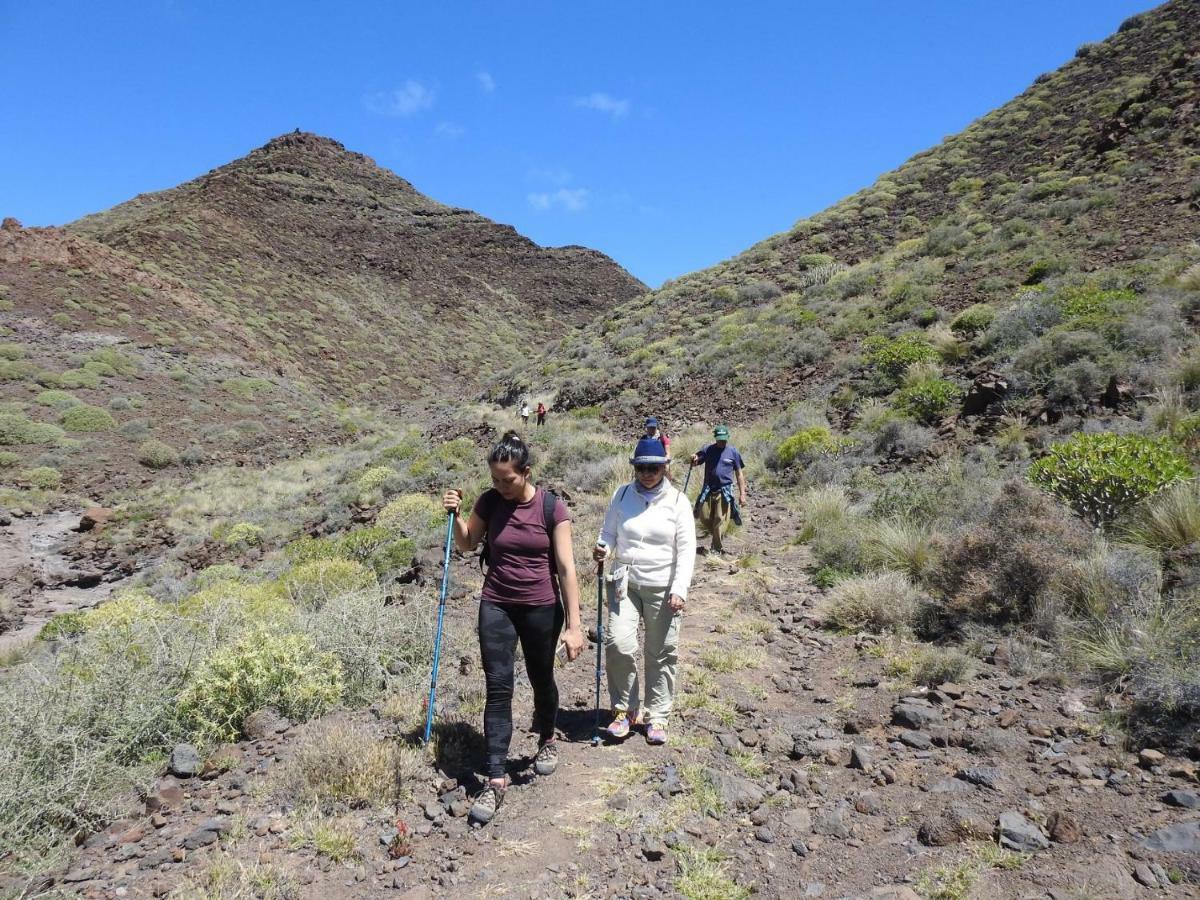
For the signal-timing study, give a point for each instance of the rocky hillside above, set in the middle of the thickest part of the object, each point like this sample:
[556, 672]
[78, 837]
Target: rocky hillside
[345, 271]
[1093, 171]
[230, 317]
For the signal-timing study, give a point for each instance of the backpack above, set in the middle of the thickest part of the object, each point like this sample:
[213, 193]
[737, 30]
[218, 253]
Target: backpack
[549, 498]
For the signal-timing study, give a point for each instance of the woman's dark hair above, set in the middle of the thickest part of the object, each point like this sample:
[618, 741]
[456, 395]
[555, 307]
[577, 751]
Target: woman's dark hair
[511, 449]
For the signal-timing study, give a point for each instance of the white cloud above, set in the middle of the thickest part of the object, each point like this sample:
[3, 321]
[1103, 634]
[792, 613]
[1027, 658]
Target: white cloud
[570, 200]
[449, 130]
[486, 81]
[555, 176]
[408, 99]
[605, 103]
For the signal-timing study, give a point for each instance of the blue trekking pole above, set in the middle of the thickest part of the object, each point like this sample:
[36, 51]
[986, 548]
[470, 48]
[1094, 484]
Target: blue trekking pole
[599, 647]
[437, 637]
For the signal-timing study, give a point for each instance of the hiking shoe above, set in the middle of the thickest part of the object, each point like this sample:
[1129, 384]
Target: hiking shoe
[619, 727]
[656, 734]
[546, 760]
[486, 803]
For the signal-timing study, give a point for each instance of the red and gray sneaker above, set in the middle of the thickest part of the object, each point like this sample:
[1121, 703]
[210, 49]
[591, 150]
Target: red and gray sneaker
[656, 733]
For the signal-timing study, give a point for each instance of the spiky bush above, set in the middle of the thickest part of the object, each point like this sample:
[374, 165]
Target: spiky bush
[928, 400]
[58, 399]
[243, 534]
[347, 763]
[1101, 475]
[909, 547]
[156, 454]
[263, 668]
[816, 440]
[45, 478]
[87, 418]
[891, 356]
[973, 320]
[412, 514]
[312, 584]
[1170, 520]
[885, 601]
[16, 429]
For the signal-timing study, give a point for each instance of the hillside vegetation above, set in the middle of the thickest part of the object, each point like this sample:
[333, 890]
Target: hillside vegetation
[235, 316]
[980, 375]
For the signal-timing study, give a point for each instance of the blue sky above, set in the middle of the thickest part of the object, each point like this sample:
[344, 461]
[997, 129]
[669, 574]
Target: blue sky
[670, 135]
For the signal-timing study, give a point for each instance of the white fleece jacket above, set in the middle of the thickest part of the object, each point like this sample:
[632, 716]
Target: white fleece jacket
[652, 542]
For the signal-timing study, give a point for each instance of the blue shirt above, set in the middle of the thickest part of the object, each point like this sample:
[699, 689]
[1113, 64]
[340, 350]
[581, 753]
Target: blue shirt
[720, 464]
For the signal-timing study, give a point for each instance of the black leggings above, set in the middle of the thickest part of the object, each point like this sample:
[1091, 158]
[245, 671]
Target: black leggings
[500, 626]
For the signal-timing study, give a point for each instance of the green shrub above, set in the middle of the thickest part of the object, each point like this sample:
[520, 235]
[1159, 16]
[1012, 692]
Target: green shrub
[374, 478]
[814, 260]
[243, 534]
[313, 584]
[246, 387]
[807, 442]
[1101, 475]
[8, 459]
[891, 356]
[156, 454]
[928, 401]
[58, 399]
[264, 668]
[43, 477]
[78, 378]
[411, 514]
[65, 625]
[12, 352]
[16, 429]
[973, 320]
[87, 418]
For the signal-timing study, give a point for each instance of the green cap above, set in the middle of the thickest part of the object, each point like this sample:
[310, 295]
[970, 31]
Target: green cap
[721, 433]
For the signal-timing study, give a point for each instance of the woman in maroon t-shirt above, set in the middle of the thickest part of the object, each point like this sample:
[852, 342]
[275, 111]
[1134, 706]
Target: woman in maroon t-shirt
[520, 601]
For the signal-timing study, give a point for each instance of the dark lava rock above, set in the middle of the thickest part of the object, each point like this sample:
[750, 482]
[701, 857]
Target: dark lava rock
[915, 715]
[1181, 838]
[1015, 832]
[184, 761]
[1185, 799]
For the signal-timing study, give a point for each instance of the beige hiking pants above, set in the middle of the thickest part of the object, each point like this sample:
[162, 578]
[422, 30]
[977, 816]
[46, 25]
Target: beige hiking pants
[627, 607]
[714, 514]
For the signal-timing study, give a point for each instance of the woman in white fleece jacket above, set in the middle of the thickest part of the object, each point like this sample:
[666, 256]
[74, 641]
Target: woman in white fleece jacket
[649, 534]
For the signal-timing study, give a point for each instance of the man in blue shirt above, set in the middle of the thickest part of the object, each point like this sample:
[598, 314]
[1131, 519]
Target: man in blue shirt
[723, 467]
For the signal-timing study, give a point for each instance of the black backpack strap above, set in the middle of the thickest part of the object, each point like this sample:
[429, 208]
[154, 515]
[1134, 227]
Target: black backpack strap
[485, 551]
[549, 500]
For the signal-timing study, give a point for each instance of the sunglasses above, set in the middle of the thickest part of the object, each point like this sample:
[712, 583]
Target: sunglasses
[647, 468]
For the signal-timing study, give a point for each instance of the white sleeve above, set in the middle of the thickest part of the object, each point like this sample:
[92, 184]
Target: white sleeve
[685, 547]
[612, 517]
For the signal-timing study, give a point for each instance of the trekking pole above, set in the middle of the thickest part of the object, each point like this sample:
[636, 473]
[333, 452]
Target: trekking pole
[599, 647]
[687, 477]
[437, 636]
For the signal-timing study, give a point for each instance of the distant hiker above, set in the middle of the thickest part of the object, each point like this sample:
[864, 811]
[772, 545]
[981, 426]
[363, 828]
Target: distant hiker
[650, 536]
[654, 432]
[525, 413]
[541, 414]
[722, 466]
[531, 572]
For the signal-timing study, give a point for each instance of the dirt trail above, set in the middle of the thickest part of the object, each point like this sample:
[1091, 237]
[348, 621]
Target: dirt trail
[793, 770]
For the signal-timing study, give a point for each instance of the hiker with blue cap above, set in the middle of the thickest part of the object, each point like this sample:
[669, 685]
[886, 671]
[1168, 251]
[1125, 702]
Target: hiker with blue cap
[654, 432]
[649, 535]
[722, 467]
